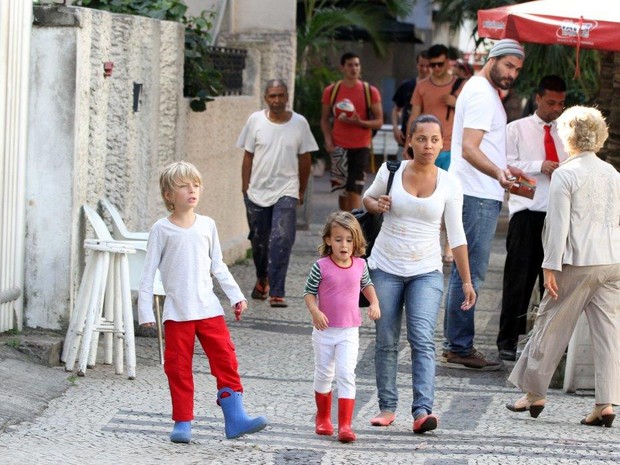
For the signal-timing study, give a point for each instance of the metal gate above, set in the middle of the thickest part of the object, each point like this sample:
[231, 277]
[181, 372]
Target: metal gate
[15, 28]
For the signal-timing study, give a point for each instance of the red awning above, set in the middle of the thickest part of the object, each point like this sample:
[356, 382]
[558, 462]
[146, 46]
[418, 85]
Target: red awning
[579, 23]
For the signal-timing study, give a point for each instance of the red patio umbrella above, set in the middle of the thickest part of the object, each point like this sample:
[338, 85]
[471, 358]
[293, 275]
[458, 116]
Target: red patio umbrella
[578, 23]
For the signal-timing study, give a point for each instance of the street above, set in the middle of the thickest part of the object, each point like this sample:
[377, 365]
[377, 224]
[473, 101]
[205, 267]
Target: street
[106, 418]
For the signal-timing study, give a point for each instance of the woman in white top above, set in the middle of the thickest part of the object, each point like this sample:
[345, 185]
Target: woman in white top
[406, 267]
[581, 240]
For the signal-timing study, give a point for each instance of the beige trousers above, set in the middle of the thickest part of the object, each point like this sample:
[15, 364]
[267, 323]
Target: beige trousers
[591, 289]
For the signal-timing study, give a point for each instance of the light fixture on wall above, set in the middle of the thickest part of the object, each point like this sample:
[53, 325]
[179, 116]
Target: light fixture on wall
[137, 96]
[108, 67]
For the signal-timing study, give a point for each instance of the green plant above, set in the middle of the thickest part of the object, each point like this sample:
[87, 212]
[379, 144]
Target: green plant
[13, 343]
[201, 80]
[308, 91]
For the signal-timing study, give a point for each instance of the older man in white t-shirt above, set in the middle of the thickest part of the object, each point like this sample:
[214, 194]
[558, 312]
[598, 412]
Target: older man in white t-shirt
[479, 162]
[276, 165]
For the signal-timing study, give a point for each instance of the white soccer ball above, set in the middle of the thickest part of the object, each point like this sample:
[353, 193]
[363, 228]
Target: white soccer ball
[345, 107]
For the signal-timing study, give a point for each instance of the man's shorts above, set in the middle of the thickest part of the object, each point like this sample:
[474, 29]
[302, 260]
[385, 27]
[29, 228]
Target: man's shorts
[349, 167]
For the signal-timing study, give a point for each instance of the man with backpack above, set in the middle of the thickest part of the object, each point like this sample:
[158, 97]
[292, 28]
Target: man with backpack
[348, 134]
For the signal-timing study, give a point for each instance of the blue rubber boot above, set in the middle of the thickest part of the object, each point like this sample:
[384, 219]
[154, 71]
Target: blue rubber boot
[182, 431]
[236, 420]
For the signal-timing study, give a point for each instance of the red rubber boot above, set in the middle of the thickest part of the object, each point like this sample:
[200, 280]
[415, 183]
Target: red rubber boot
[345, 414]
[323, 420]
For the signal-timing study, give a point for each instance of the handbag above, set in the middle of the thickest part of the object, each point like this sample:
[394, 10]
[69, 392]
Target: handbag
[371, 224]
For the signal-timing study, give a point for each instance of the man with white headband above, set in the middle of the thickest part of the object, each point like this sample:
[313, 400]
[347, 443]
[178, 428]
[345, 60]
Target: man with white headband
[479, 161]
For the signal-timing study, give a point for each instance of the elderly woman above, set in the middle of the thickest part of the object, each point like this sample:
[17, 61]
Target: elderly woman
[581, 268]
[405, 265]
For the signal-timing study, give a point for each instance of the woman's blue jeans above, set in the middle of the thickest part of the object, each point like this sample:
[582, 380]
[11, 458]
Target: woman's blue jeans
[421, 296]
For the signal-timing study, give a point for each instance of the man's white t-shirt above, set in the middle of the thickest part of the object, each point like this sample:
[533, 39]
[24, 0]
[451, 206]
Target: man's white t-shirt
[479, 107]
[276, 148]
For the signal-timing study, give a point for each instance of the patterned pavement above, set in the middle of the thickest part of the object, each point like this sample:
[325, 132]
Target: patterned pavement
[106, 418]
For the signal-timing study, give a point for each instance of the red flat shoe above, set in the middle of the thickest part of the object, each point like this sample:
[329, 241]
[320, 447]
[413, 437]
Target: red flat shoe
[385, 418]
[426, 423]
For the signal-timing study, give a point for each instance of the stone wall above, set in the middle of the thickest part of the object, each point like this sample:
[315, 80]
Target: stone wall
[86, 141]
[270, 56]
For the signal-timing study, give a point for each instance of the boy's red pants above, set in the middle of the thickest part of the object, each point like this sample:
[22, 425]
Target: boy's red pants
[215, 340]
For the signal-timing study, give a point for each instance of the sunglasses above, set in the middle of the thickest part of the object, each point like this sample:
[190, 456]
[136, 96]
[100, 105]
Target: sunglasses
[437, 64]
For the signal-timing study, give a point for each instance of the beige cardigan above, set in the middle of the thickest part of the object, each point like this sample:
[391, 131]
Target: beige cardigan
[582, 227]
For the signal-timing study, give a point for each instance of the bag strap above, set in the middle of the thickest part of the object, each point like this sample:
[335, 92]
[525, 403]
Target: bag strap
[392, 166]
[455, 87]
[334, 94]
[368, 98]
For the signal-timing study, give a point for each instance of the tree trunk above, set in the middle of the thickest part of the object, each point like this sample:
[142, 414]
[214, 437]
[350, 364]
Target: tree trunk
[608, 102]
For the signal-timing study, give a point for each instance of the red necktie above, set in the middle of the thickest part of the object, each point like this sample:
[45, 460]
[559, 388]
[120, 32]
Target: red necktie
[550, 151]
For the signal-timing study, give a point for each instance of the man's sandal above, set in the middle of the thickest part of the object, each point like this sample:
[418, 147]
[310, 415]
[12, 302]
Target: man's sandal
[260, 291]
[277, 302]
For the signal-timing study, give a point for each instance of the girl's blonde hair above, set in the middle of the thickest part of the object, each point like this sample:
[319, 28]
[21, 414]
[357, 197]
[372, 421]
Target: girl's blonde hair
[582, 129]
[348, 222]
[174, 176]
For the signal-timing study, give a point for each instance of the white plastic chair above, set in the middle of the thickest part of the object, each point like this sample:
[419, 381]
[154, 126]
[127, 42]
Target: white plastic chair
[119, 230]
[121, 233]
[136, 261]
[103, 303]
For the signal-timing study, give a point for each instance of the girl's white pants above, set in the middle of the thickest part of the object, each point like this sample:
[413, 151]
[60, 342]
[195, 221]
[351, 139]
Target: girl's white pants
[335, 354]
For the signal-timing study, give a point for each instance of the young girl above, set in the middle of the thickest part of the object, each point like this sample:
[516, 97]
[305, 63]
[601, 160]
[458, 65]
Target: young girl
[332, 296]
[186, 249]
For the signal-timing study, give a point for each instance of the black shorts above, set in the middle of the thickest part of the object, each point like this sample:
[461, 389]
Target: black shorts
[349, 167]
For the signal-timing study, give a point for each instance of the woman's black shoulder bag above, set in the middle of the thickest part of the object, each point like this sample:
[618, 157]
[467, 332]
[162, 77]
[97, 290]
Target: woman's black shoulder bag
[371, 224]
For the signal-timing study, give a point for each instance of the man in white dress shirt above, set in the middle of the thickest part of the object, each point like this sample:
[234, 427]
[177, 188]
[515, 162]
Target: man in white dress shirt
[525, 149]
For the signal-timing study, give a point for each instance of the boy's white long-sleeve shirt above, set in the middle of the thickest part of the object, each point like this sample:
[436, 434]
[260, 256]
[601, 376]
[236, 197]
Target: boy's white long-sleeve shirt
[187, 259]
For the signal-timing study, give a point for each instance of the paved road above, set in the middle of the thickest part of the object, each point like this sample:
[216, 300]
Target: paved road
[105, 418]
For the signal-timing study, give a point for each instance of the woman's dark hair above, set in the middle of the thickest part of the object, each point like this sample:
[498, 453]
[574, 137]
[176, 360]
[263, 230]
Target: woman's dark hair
[425, 118]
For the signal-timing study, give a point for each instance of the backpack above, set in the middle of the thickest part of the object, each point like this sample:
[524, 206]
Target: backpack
[368, 98]
[455, 87]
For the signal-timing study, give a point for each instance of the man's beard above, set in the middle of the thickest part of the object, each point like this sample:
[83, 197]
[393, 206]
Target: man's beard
[497, 79]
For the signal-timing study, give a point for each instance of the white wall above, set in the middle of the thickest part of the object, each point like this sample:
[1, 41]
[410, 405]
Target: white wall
[86, 141]
[49, 178]
[250, 15]
[211, 145]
